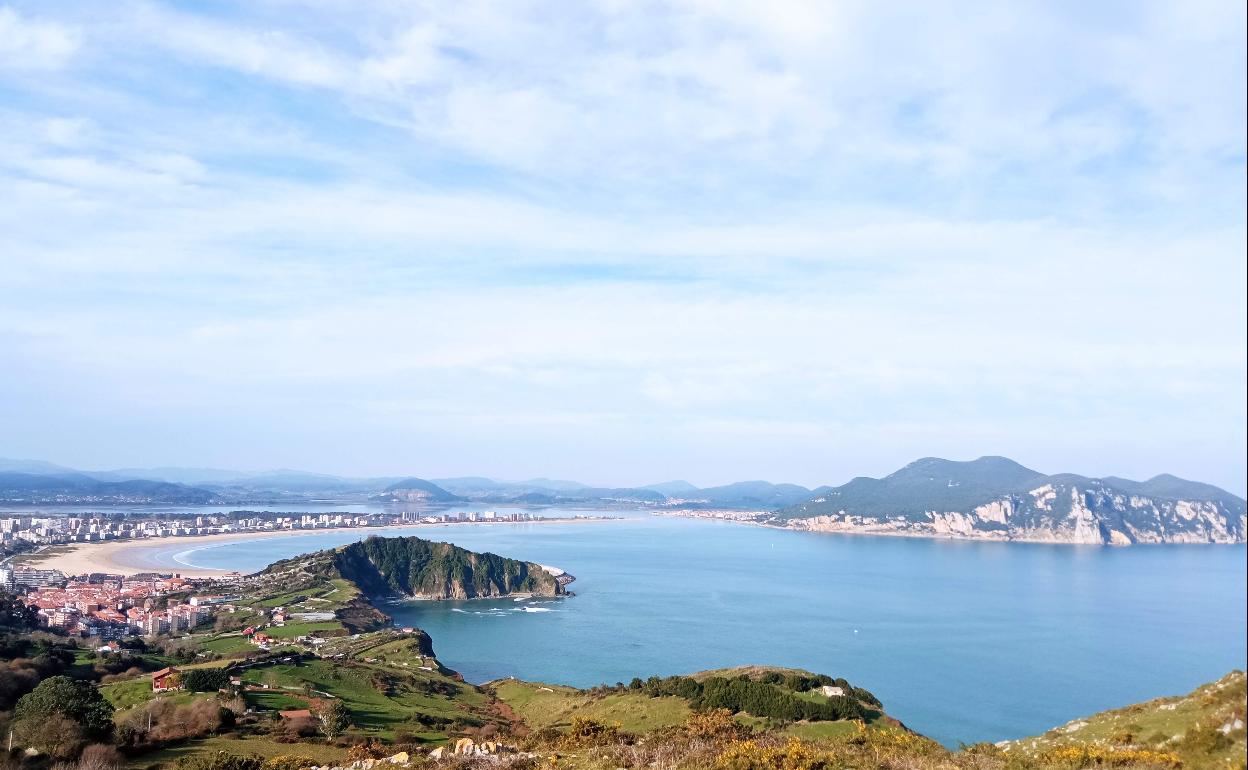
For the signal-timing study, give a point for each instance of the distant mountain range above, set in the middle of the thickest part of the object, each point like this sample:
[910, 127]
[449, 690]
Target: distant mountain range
[989, 498]
[995, 498]
[79, 488]
[33, 481]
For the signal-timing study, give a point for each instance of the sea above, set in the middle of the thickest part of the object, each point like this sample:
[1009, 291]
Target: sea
[962, 641]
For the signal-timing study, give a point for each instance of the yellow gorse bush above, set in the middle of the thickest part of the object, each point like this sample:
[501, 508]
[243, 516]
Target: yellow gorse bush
[793, 755]
[1098, 756]
[288, 762]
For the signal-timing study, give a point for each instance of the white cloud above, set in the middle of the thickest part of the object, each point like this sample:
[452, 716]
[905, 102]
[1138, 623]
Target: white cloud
[759, 237]
[34, 44]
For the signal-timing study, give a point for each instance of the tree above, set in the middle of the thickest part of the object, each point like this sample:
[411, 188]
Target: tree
[78, 701]
[333, 719]
[15, 614]
[57, 735]
[205, 679]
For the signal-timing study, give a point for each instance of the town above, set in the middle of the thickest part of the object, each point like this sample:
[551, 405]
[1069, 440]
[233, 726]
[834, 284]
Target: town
[111, 607]
[102, 526]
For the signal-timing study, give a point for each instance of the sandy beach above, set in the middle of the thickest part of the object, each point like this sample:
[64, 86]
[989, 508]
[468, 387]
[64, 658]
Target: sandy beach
[155, 554]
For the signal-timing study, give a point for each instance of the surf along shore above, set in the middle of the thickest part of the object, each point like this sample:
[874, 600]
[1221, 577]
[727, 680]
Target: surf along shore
[157, 554]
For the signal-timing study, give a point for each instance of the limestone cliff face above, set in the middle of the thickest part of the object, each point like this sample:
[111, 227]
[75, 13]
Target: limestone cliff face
[1091, 516]
[936, 498]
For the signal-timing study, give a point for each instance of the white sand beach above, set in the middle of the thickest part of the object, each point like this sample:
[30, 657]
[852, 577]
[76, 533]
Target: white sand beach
[155, 554]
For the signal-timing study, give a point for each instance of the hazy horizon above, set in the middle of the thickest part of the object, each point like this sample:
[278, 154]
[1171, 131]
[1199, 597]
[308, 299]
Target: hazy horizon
[811, 484]
[621, 243]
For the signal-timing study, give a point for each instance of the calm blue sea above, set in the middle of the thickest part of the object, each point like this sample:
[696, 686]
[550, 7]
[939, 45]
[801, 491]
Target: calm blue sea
[962, 641]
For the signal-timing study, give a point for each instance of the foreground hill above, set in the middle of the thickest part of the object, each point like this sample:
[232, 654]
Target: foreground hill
[997, 499]
[1204, 728]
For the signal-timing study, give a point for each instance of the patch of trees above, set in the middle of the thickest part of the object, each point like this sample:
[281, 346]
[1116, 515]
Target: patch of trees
[802, 683]
[15, 614]
[162, 721]
[756, 697]
[20, 675]
[205, 679]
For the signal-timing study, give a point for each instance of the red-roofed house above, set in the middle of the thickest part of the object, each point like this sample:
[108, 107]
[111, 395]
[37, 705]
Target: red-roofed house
[166, 679]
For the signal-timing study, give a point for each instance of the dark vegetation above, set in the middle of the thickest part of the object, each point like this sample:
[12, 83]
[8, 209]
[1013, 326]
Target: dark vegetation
[412, 566]
[26, 659]
[772, 695]
[205, 679]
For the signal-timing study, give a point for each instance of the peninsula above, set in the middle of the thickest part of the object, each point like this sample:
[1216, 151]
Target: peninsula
[412, 568]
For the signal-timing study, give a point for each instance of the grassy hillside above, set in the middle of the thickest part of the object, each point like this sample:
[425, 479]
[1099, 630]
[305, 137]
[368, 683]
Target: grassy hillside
[788, 700]
[1203, 729]
[540, 706]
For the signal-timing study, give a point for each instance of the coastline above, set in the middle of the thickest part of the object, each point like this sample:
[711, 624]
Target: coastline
[990, 538]
[117, 557]
[987, 537]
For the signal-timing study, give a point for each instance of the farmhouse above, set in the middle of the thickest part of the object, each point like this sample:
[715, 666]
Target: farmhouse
[166, 679]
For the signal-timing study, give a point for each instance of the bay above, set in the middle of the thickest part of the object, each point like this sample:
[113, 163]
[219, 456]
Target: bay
[962, 641]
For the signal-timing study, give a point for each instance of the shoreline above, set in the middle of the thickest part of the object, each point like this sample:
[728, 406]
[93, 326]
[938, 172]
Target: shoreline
[948, 537]
[111, 557]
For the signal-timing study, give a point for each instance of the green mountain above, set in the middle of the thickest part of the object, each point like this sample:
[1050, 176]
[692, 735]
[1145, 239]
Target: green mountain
[415, 490]
[996, 498]
[410, 566]
[752, 494]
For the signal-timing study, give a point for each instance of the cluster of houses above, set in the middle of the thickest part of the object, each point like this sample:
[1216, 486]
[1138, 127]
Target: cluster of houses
[113, 606]
[51, 530]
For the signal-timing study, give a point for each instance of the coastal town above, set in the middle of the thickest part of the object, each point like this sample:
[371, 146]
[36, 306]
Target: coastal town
[103, 526]
[112, 607]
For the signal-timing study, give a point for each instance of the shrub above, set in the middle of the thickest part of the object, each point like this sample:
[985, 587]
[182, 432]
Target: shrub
[56, 734]
[219, 761]
[793, 755]
[1097, 756]
[588, 732]
[288, 762]
[716, 724]
[100, 756]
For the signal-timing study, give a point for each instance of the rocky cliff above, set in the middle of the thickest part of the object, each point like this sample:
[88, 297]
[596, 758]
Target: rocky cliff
[996, 499]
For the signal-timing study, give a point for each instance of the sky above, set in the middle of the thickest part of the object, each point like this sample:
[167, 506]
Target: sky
[624, 242]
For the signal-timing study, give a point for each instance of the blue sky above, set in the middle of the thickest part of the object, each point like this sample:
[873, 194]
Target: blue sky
[624, 241]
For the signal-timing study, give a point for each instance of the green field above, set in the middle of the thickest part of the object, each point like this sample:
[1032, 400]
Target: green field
[226, 644]
[380, 699]
[123, 695]
[316, 753]
[274, 700]
[541, 705]
[299, 628]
